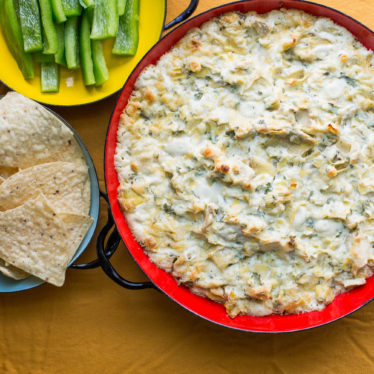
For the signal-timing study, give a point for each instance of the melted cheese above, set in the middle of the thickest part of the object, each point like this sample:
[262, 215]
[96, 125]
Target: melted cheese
[245, 161]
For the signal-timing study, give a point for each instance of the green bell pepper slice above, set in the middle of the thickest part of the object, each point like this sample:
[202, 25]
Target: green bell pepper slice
[85, 51]
[71, 8]
[87, 3]
[60, 54]
[105, 19]
[49, 30]
[41, 57]
[58, 11]
[13, 36]
[99, 64]
[29, 17]
[71, 43]
[49, 77]
[127, 39]
[121, 7]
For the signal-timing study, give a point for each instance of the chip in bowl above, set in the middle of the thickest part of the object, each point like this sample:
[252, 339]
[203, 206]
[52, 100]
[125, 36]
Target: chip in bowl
[45, 192]
[63, 184]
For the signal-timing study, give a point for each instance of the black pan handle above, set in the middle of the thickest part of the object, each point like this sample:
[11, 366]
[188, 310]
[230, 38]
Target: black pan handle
[105, 252]
[112, 244]
[183, 16]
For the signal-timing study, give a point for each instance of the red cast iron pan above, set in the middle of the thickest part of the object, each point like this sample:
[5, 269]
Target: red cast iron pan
[342, 305]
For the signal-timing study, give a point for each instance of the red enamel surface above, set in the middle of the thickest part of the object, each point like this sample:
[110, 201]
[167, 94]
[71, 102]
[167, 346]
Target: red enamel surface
[343, 304]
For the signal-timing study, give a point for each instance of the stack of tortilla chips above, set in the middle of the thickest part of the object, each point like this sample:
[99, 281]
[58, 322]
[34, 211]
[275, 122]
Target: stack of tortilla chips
[44, 192]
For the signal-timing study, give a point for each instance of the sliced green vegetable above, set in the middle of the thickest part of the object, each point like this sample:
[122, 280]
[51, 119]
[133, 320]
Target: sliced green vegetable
[87, 3]
[99, 65]
[49, 77]
[85, 51]
[71, 7]
[60, 54]
[49, 30]
[41, 57]
[127, 39]
[13, 37]
[29, 17]
[121, 7]
[105, 20]
[58, 11]
[100, 68]
[71, 43]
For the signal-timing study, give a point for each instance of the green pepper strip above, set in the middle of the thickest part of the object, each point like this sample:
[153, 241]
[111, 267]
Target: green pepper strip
[127, 40]
[58, 11]
[71, 8]
[49, 31]
[60, 54]
[99, 64]
[41, 57]
[13, 37]
[100, 68]
[121, 7]
[85, 51]
[71, 43]
[87, 3]
[29, 16]
[105, 20]
[49, 77]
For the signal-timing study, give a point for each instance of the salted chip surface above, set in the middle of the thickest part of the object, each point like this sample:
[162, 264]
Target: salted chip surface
[34, 238]
[62, 183]
[11, 271]
[30, 134]
[77, 226]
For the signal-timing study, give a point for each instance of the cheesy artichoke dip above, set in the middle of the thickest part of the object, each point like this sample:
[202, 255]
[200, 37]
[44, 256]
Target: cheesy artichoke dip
[245, 162]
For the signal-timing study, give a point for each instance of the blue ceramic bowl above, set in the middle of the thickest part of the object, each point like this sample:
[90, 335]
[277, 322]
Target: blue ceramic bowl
[12, 285]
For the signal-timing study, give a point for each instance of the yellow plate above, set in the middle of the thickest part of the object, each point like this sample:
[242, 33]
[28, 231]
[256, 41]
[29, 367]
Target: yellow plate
[72, 90]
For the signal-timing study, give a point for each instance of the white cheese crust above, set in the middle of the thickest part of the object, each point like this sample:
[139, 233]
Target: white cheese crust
[245, 161]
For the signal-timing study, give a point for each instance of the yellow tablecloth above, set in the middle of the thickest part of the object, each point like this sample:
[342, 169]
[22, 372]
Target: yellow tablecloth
[91, 325]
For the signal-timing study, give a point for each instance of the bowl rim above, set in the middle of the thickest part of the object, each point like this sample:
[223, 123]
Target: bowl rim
[109, 169]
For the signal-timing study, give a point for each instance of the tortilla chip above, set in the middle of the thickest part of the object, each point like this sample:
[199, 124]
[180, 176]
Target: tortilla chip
[62, 183]
[31, 135]
[34, 239]
[77, 226]
[6, 172]
[86, 194]
[11, 271]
